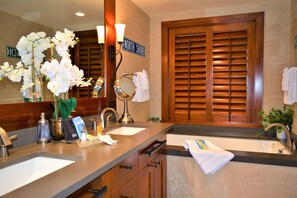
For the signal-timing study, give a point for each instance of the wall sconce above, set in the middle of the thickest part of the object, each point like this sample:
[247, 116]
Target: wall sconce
[112, 52]
[100, 33]
[120, 29]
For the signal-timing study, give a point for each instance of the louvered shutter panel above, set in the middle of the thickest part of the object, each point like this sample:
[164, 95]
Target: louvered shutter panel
[90, 64]
[87, 55]
[190, 76]
[230, 64]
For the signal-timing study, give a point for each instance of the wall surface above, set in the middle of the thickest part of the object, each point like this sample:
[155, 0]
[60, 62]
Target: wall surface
[137, 30]
[294, 53]
[12, 29]
[235, 179]
[293, 32]
[277, 31]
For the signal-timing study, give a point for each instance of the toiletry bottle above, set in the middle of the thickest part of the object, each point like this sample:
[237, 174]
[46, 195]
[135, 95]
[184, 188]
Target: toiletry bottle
[43, 132]
[99, 127]
[84, 134]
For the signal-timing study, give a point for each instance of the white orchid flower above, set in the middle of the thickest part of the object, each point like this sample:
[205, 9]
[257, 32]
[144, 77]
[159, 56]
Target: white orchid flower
[26, 87]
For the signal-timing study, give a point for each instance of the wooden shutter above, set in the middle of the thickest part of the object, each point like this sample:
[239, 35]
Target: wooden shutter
[230, 64]
[88, 56]
[212, 70]
[189, 73]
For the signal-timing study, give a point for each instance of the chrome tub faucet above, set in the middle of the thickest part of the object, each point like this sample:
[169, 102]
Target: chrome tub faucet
[289, 141]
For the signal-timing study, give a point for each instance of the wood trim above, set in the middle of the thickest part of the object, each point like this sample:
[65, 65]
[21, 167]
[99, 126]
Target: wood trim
[110, 39]
[25, 115]
[165, 69]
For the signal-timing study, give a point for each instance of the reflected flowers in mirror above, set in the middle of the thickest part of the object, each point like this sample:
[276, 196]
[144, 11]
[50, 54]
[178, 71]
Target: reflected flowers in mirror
[31, 49]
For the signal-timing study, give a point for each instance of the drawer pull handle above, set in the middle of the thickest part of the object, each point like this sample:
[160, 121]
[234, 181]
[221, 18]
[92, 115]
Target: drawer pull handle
[98, 193]
[153, 148]
[126, 197]
[127, 167]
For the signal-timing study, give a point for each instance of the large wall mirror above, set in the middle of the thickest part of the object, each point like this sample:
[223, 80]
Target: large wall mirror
[19, 18]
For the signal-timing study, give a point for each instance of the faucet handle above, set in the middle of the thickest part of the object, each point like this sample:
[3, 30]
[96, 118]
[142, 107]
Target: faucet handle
[13, 137]
[5, 139]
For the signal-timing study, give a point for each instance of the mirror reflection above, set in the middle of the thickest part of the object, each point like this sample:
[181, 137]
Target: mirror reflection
[20, 18]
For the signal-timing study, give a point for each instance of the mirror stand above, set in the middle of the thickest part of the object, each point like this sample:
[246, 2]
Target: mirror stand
[126, 117]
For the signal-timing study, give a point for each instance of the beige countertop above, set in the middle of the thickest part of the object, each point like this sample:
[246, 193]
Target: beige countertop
[90, 162]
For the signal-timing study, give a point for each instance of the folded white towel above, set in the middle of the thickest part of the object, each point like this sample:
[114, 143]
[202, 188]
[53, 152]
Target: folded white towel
[289, 85]
[141, 81]
[210, 159]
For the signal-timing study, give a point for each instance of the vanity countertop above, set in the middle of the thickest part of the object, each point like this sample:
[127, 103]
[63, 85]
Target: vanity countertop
[91, 161]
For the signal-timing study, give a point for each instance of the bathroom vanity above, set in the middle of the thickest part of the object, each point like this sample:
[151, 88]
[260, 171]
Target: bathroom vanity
[133, 166]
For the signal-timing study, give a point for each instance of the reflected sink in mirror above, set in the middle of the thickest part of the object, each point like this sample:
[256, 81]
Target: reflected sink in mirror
[27, 169]
[126, 131]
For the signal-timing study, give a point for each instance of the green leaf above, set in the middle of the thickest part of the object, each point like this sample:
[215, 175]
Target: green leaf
[67, 106]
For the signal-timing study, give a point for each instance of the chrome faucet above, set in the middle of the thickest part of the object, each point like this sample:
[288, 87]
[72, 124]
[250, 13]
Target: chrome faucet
[289, 142]
[103, 114]
[6, 142]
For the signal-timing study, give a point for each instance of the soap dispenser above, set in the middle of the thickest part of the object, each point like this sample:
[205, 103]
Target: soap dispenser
[43, 132]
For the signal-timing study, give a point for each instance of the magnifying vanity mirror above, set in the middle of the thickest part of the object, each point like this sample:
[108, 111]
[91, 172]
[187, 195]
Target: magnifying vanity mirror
[125, 89]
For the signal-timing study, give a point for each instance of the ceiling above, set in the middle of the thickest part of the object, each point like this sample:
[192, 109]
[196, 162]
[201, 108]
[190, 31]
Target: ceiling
[161, 7]
[60, 14]
[57, 13]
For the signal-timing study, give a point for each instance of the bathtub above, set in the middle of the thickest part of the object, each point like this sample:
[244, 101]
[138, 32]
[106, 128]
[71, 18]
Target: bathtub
[235, 144]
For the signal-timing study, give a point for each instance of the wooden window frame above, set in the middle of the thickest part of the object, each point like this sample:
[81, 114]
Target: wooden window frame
[257, 84]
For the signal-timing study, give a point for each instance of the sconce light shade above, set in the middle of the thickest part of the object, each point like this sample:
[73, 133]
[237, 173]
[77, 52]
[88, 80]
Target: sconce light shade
[120, 30]
[100, 33]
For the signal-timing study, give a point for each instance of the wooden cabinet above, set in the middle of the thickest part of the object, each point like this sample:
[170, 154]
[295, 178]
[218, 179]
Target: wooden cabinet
[160, 176]
[153, 169]
[99, 187]
[141, 175]
[121, 174]
[152, 182]
[129, 190]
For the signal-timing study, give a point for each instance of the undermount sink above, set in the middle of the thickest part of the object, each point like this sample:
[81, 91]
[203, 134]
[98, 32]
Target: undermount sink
[126, 131]
[25, 170]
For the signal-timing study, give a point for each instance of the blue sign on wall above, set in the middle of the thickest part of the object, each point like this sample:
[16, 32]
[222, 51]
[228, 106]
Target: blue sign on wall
[133, 47]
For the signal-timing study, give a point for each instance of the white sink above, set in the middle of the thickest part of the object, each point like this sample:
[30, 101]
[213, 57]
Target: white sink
[126, 131]
[18, 174]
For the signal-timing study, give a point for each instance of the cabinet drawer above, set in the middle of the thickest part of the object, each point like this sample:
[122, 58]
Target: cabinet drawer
[151, 150]
[124, 171]
[129, 190]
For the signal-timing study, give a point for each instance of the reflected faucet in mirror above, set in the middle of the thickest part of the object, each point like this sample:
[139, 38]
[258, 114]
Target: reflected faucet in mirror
[6, 142]
[98, 87]
[289, 142]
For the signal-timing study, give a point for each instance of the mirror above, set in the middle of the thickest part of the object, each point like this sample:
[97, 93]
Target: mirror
[19, 18]
[125, 89]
